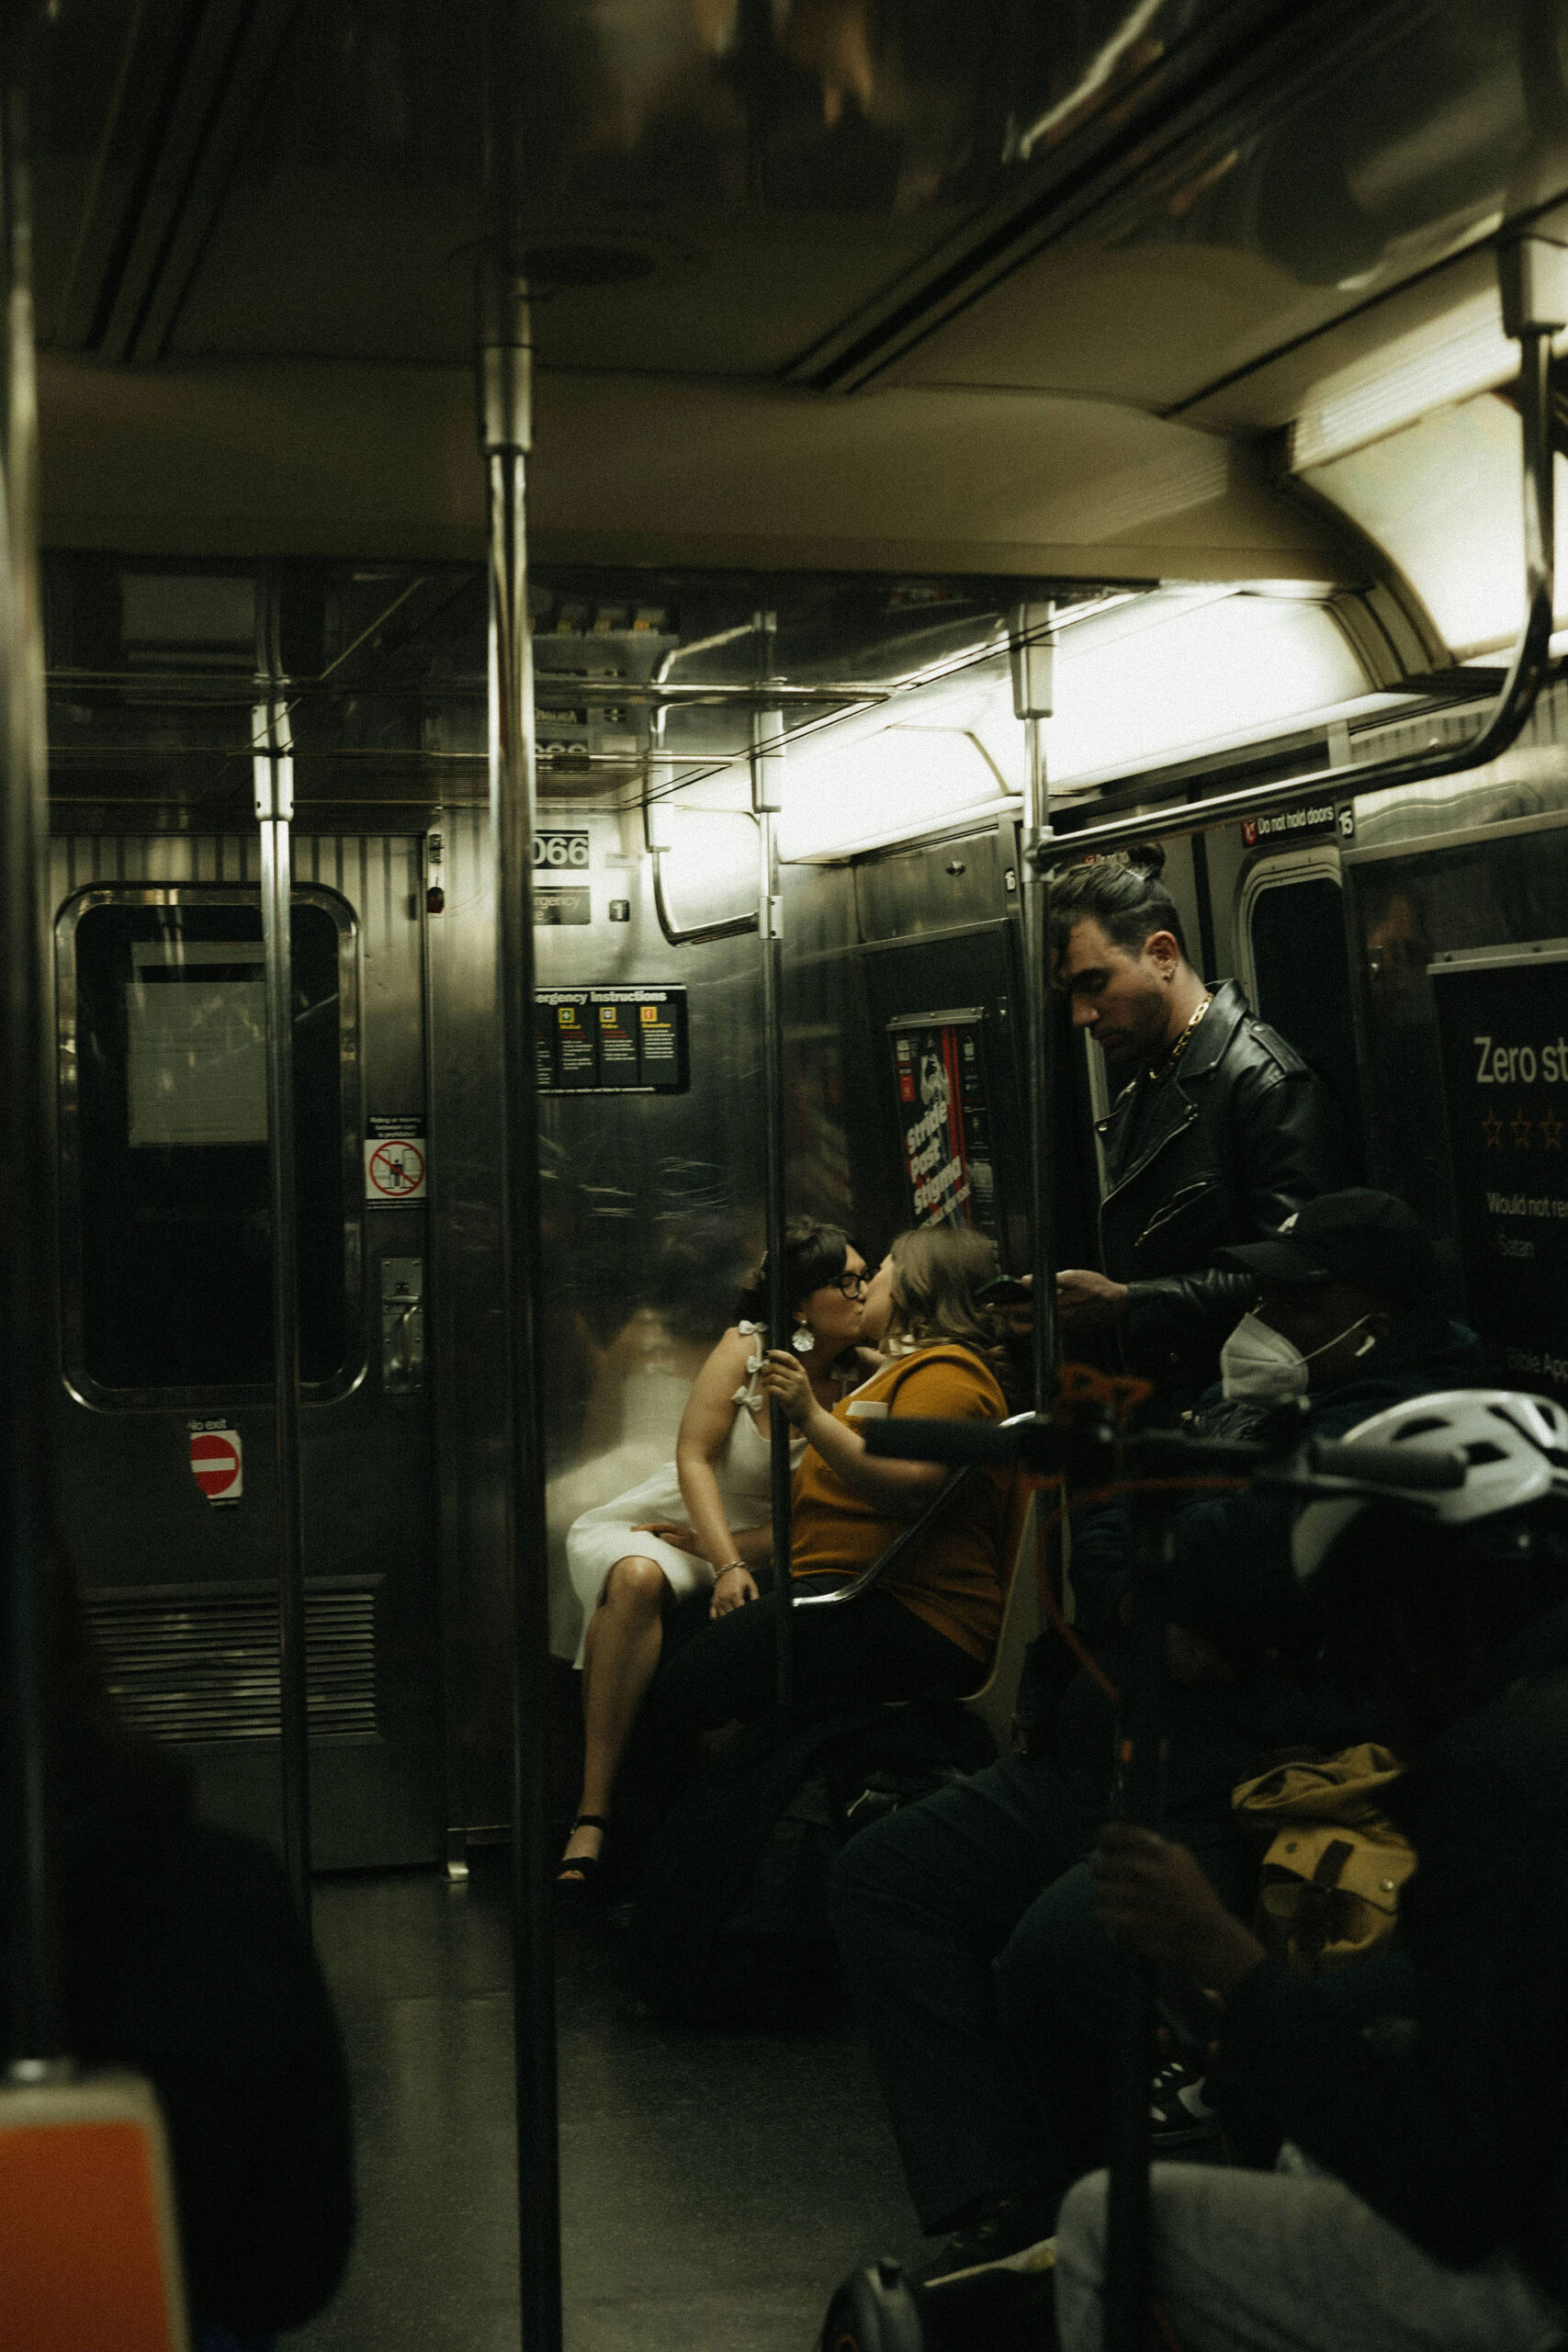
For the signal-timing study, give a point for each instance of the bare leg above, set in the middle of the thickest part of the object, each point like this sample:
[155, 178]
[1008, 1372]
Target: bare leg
[625, 1634]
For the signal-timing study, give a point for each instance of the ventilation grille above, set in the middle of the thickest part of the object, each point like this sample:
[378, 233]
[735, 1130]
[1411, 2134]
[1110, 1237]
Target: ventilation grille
[199, 1662]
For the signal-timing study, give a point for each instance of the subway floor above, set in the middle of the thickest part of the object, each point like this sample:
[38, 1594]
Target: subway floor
[715, 2186]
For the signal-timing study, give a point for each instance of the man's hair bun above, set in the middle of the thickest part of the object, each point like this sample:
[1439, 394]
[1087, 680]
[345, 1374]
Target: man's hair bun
[1124, 894]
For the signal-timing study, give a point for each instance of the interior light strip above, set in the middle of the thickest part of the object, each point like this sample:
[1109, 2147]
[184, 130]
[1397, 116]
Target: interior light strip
[1453, 360]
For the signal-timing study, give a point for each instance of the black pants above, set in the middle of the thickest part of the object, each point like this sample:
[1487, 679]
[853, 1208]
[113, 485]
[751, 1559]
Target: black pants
[872, 1649]
[984, 1986]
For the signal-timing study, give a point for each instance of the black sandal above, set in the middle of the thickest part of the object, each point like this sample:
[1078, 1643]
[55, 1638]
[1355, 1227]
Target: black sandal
[579, 1876]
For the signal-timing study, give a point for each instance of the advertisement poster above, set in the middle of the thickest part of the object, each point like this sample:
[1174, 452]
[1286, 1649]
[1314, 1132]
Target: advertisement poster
[944, 1118]
[1503, 1023]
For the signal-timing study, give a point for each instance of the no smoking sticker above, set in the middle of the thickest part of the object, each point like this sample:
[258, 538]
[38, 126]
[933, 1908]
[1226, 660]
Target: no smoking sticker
[396, 1167]
[217, 1463]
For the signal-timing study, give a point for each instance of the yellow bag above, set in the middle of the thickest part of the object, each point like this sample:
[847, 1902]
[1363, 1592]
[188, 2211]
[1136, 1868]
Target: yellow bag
[1334, 1868]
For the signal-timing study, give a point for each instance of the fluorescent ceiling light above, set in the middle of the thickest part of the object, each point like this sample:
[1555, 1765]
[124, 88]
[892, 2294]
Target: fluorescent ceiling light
[1208, 668]
[885, 788]
[1450, 359]
[868, 794]
[1142, 679]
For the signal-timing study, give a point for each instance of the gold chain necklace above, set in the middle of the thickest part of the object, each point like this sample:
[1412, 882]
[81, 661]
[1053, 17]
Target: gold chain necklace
[1163, 1068]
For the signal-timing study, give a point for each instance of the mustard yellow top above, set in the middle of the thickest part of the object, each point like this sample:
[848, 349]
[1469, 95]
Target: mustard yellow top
[952, 1576]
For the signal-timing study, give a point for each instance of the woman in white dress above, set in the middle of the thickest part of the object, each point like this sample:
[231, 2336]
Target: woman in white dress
[702, 1523]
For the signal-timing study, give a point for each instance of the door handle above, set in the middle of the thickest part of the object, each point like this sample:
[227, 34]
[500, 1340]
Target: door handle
[402, 1324]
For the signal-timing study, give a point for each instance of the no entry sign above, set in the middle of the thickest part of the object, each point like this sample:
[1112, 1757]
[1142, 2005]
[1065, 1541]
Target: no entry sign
[217, 1465]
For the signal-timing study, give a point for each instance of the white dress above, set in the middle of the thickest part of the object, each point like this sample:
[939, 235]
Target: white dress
[744, 1470]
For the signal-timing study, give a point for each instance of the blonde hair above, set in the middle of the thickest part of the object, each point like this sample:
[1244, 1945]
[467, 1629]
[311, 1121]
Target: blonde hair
[937, 1270]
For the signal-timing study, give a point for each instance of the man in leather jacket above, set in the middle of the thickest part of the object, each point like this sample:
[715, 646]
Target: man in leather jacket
[1220, 1132]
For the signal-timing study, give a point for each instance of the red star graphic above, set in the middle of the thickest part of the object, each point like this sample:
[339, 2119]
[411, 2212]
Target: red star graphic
[1551, 1132]
[1521, 1126]
[1492, 1128]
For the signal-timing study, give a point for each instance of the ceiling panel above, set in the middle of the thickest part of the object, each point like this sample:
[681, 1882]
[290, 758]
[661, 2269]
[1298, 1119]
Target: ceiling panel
[1377, 160]
[759, 182]
[1140, 323]
[316, 264]
[267, 457]
[279, 179]
[764, 169]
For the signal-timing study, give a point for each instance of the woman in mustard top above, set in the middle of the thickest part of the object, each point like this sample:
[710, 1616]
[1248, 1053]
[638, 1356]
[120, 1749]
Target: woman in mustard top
[931, 1625]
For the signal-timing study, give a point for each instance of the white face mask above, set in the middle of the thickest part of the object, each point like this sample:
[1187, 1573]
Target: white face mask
[1260, 1364]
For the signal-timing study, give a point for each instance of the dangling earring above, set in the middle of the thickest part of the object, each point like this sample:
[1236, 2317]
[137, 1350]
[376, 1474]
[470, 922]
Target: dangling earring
[803, 1339]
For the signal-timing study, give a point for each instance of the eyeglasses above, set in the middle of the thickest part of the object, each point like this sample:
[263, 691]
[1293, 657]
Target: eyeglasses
[851, 1286]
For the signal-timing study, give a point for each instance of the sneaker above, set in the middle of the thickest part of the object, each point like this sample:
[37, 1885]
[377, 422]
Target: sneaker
[1008, 2232]
[1180, 2115]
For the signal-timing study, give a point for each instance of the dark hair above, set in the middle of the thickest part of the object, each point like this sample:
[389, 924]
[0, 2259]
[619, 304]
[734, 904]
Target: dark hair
[1123, 894]
[814, 1254]
[937, 1272]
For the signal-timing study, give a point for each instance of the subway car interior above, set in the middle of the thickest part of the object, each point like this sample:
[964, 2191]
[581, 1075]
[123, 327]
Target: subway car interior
[575, 576]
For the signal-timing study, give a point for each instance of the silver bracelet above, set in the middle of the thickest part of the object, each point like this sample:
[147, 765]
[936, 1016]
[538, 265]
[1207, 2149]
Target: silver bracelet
[725, 1570]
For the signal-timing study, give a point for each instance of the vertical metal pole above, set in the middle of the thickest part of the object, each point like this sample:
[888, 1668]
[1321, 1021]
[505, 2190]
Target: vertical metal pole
[767, 800]
[1537, 425]
[26, 1134]
[1033, 670]
[1208, 952]
[505, 383]
[273, 769]
[505, 386]
[1128, 2273]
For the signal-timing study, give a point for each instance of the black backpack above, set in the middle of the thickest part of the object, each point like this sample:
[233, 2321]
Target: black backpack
[731, 1925]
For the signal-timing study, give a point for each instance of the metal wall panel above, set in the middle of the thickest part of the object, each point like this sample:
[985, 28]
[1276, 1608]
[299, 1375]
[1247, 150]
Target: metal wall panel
[832, 1169]
[1530, 782]
[937, 885]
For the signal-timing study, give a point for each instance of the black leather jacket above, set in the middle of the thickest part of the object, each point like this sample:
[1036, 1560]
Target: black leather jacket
[1223, 1150]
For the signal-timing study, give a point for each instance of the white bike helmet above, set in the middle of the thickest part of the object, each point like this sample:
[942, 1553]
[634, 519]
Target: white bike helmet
[1516, 1447]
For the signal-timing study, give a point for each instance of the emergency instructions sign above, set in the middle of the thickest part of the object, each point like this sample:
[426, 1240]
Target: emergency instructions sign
[611, 1040]
[944, 1118]
[1502, 1025]
[396, 1166]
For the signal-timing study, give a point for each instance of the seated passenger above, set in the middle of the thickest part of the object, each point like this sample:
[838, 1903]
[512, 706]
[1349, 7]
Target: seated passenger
[1421, 2203]
[965, 1921]
[932, 1625]
[702, 1523]
[182, 1957]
